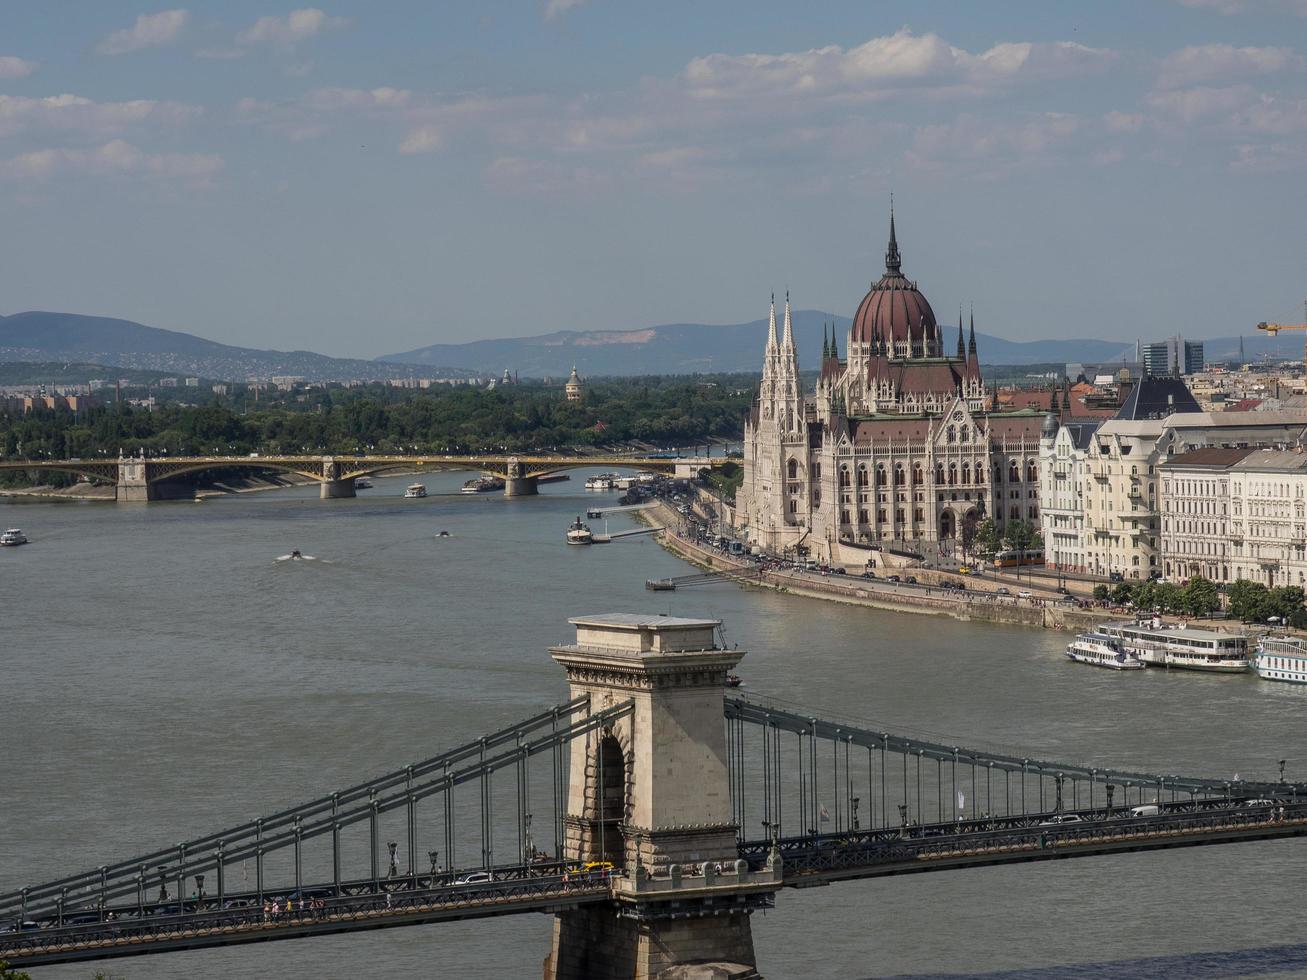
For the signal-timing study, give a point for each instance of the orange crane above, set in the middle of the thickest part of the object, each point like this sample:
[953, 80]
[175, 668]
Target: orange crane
[1272, 329]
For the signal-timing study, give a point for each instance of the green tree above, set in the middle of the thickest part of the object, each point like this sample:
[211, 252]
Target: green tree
[1123, 593]
[1101, 592]
[987, 540]
[1201, 597]
[1247, 600]
[1168, 597]
[8, 974]
[1020, 536]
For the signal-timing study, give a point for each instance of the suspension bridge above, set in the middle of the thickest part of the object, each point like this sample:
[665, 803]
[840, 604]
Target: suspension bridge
[651, 815]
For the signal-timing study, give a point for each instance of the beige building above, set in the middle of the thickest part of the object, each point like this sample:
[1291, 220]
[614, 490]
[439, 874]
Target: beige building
[1121, 523]
[1064, 477]
[574, 386]
[1268, 530]
[1195, 505]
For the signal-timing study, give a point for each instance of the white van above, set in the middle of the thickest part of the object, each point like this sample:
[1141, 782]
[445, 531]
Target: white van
[1148, 810]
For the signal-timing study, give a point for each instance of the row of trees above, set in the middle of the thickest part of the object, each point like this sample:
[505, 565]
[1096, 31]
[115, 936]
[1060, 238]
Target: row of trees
[1248, 601]
[378, 418]
[987, 539]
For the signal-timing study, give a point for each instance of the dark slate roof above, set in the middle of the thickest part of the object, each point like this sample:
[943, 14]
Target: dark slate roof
[1082, 432]
[1156, 398]
[1210, 456]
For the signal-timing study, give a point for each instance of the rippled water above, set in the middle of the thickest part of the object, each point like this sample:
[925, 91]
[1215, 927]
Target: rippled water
[164, 675]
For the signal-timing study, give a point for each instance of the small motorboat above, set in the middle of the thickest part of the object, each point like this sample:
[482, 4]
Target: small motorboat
[13, 537]
[579, 533]
[443, 534]
[362, 483]
[415, 490]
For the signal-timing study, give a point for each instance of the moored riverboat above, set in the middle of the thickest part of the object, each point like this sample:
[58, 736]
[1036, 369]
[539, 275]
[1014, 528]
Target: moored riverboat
[1102, 650]
[1282, 658]
[579, 532]
[415, 490]
[1181, 646]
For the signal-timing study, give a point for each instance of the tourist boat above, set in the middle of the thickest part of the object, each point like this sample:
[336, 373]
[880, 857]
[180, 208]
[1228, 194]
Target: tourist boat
[1101, 650]
[13, 537]
[1180, 646]
[362, 483]
[1282, 658]
[604, 481]
[579, 533]
[416, 490]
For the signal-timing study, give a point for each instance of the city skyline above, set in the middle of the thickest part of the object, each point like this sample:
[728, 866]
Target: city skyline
[356, 181]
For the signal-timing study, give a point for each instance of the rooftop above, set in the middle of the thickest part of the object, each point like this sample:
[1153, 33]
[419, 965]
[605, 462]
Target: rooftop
[1280, 460]
[643, 621]
[1210, 456]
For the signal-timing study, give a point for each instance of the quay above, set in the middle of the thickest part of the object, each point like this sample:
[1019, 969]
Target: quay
[926, 599]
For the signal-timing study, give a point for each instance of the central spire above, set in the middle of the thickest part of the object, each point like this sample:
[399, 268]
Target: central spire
[892, 261]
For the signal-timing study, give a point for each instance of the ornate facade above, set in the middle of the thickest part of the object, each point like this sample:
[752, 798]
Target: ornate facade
[895, 445]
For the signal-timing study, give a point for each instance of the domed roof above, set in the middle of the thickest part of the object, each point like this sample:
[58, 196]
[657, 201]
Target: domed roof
[894, 309]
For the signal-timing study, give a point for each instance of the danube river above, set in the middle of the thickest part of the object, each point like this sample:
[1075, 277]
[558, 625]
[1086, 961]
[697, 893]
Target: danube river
[165, 676]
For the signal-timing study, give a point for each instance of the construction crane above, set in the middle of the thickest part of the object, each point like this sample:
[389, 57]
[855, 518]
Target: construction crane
[1272, 329]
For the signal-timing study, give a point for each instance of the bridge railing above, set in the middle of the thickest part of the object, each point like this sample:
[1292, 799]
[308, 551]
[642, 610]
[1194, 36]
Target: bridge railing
[288, 830]
[825, 853]
[792, 769]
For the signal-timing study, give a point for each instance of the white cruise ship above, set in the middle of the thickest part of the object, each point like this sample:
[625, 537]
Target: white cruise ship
[1182, 647]
[1102, 650]
[1282, 658]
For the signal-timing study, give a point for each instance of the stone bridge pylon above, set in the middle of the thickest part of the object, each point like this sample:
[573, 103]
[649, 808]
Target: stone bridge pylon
[651, 794]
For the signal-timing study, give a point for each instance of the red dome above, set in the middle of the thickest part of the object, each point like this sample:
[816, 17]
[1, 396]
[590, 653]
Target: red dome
[894, 310]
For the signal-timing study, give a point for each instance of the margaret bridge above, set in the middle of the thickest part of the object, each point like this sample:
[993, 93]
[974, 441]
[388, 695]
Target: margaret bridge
[140, 478]
[651, 814]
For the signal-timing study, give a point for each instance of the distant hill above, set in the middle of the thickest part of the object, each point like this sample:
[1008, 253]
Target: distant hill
[70, 373]
[40, 336]
[681, 348]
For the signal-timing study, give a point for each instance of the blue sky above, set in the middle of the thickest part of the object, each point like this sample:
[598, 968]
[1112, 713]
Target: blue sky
[365, 178]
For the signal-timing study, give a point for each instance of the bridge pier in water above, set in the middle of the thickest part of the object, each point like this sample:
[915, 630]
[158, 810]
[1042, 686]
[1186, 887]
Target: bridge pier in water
[133, 483]
[650, 793]
[333, 487]
[516, 482]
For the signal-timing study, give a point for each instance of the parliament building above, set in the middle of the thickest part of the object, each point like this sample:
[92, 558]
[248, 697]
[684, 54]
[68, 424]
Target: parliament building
[895, 447]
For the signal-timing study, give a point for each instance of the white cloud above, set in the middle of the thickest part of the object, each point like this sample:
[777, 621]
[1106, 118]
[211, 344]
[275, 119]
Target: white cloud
[113, 158]
[981, 147]
[149, 31]
[423, 139]
[885, 65]
[78, 114]
[336, 99]
[1123, 122]
[1213, 62]
[12, 67]
[1193, 105]
[286, 32]
[556, 8]
[1230, 7]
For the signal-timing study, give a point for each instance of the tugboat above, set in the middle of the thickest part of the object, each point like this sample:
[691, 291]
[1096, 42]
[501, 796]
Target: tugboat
[13, 537]
[415, 490]
[579, 533]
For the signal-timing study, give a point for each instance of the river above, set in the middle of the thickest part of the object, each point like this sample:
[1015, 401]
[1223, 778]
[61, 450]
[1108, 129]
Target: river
[164, 676]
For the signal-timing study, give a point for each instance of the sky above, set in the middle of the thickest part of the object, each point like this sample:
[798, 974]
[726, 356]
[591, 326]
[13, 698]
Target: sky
[368, 178]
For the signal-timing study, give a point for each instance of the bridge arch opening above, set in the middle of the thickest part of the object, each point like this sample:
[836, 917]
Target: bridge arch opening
[609, 802]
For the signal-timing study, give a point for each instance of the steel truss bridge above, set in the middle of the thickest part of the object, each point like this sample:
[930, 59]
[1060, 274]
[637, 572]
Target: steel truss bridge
[814, 801]
[340, 468]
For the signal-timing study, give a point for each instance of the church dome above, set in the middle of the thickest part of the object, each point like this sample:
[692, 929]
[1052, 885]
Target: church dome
[894, 310]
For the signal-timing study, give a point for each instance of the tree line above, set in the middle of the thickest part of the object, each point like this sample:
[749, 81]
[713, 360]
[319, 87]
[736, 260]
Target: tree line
[665, 411]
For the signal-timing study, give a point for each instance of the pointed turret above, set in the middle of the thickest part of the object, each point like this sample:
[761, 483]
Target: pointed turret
[771, 325]
[893, 263]
[971, 340]
[962, 351]
[787, 338]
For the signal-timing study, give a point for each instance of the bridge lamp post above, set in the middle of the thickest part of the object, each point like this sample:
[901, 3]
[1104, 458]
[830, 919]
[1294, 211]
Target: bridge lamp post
[434, 858]
[855, 813]
[199, 890]
[163, 883]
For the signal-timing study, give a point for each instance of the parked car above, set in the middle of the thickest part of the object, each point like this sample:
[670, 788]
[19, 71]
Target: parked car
[911, 580]
[1061, 818]
[1002, 590]
[1023, 594]
[868, 574]
[1062, 590]
[893, 578]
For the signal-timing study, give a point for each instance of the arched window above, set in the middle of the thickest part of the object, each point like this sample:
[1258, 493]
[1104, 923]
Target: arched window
[966, 473]
[1014, 472]
[1032, 471]
[952, 434]
[880, 475]
[844, 476]
[862, 475]
[980, 474]
[898, 474]
[916, 474]
[939, 472]
[952, 474]
[793, 467]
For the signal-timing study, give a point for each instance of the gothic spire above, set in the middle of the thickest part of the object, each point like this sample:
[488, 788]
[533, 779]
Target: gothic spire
[962, 353]
[971, 341]
[787, 339]
[834, 344]
[771, 325]
[893, 264]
